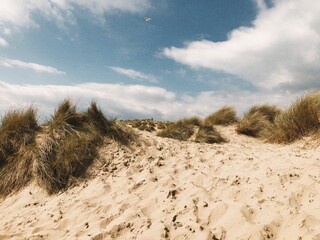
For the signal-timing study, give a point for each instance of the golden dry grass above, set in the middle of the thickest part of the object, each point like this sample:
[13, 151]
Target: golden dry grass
[208, 134]
[224, 116]
[181, 130]
[17, 137]
[300, 119]
[257, 120]
[62, 149]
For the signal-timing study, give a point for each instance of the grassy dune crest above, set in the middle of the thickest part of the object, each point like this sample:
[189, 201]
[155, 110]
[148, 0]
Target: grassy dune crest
[224, 116]
[55, 153]
[208, 134]
[181, 130]
[257, 120]
[184, 128]
[300, 119]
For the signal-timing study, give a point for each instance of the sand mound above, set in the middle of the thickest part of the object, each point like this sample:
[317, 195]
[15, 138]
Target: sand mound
[166, 189]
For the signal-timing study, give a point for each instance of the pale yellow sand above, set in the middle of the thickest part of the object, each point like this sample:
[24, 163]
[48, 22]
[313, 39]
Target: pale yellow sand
[165, 189]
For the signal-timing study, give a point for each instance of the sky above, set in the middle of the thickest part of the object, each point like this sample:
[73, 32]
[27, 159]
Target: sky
[192, 58]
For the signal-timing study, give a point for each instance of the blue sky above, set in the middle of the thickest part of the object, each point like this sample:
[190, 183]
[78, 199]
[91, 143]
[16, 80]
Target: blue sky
[192, 58]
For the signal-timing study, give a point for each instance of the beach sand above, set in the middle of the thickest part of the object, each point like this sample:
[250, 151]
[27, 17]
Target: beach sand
[165, 189]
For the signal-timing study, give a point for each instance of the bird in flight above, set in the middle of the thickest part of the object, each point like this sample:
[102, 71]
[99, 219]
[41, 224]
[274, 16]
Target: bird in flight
[147, 19]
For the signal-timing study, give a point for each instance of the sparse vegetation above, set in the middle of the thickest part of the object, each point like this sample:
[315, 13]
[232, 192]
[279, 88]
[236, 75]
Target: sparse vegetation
[180, 130]
[208, 134]
[143, 125]
[65, 146]
[257, 119]
[193, 121]
[224, 116]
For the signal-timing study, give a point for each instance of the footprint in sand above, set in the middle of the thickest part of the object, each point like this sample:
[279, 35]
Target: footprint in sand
[149, 209]
[248, 213]
[107, 188]
[269, 231]
[311, 223]
[105, 222]
[217, 213]
[295, 199]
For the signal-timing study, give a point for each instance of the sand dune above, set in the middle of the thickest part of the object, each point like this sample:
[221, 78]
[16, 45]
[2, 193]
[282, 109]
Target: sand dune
[166, 189]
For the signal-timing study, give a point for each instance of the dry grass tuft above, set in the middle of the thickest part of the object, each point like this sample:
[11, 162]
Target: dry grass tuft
[269, 111]
[69, 144]
[181, 130]
[106, 127]
[253, 124]
[208, 134]
[65, 117]
[257, 120]
[224, 116]
[299, 120]
[64, 148]
[17, 136]
[193, 121]
[148, 125]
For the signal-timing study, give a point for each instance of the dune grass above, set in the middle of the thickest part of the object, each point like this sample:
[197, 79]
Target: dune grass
[224, 116]
[193, 121]
[17, 140]
[65, 146]
[178, 131]
[108, 127]
[257, 119]
[55, 153]
[300, 119]
[144, 124]
[71, 143]
[181, 130]
[208, 134]
[184, 128]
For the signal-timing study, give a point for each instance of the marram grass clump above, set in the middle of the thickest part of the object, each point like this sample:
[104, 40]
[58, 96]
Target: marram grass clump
[190, 128]
[257, 120]
[208, 134]
[71, 144]
[224, 116]
[192, 121]
[17, 142]
[57, 152]
[300, 119]
[182, 129]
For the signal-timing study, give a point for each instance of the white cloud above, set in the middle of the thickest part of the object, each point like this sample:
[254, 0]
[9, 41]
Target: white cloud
[132, 101]
[12, 63]
[20, 12]
[135, 74]
[3, 42]
[280, 49]
[7, 31]
[261, 5]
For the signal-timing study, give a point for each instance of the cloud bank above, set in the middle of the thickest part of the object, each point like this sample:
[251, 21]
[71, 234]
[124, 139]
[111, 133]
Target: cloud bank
[131, 101]
[280, 51]
[14, 63]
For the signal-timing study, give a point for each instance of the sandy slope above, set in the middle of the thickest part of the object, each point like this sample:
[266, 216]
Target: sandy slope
[165, 189]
